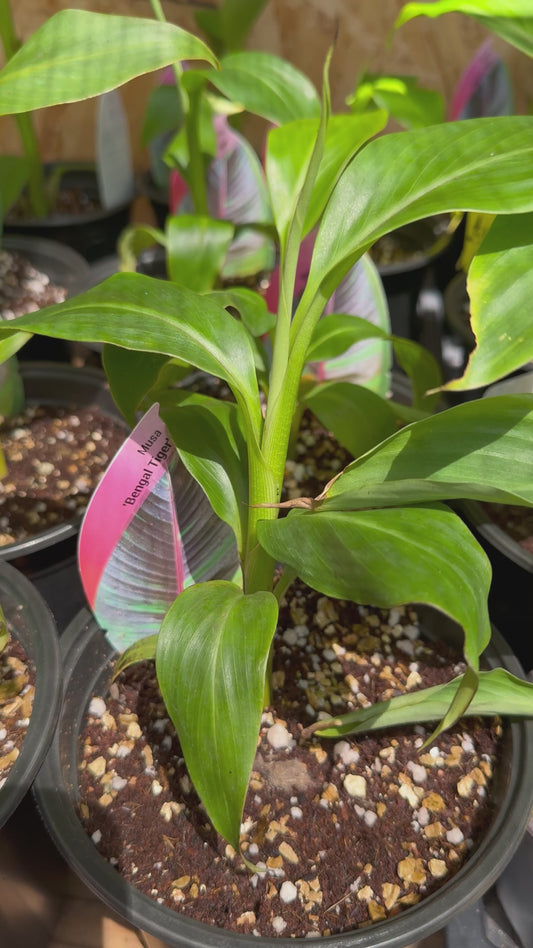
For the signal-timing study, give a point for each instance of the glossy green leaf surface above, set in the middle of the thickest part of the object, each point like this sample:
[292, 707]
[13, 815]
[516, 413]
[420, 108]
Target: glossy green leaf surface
[289, 149]
[77, 54]
[498, 692]
[358, 417]
[406, 176]
[345, 135]
[211, 661]
[500, 279]
[141, 651]
[250, 307]
[13, 177]
[212, 446]
[11, 343]
[402, 97]
[481, 450]
[388, 557]
[163, 113]
[151, 315]
[196, 249]
[512, 21]
[228, 25]
[267, 86]
[422, 368]
[130, 375]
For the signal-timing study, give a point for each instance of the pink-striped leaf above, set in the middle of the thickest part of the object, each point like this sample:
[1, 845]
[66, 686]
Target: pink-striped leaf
[484, 88]
[148, 533]
[236, 192]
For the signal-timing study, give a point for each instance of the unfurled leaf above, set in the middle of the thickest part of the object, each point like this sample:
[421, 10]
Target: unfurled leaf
[237, 193]
[511, 20]
[288, 152]
[357, 417]
[498, 692]
[481, 450]
[163, 113]
[13, 177]
[368, 363]
[228, 25]
[266, 85]
[151, 315]
[160, 536]
[11, 390]
[422, 368]
[409, 176]
[196, 249]
[208, 436]
[141, 651]
[77, 54]
[402, 97]
[212, 656]
[363, 555]
[484, 87]
[499, 280]
[130, 376]
[250, 307]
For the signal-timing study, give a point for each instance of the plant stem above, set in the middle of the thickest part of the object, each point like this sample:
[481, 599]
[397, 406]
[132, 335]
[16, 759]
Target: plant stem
[190, 106]
[36, 184]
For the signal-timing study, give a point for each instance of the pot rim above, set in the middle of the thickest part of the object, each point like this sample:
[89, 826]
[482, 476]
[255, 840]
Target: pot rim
[503, 542]
[57, 777]
[33, 625]
[59, 255]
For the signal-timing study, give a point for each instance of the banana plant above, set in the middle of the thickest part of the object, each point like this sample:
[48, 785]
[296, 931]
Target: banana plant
[501, 272]
[381, 532]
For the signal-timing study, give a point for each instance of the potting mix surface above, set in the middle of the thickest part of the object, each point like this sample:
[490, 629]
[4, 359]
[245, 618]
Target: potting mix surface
[23, 288]
[17, 692]
[344, 832]
[55, 456]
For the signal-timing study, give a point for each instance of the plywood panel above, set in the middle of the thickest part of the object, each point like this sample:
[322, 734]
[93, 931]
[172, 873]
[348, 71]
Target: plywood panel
[300, 30]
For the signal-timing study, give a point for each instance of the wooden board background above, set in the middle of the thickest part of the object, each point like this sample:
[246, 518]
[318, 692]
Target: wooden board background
[299, 30]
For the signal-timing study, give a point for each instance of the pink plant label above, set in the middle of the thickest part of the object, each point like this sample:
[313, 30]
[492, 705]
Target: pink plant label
[130, 527]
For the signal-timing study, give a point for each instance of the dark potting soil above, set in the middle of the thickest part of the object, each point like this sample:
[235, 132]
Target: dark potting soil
[55, 456]
[17, 691]
[69, 201]
[346, 832]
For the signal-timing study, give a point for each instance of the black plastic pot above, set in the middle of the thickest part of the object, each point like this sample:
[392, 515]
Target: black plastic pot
[511, 592]
[49, 558]
[426, 259]
[64, 266]
[93, 233]
[157, 196]
[87, 659]
[32, 624]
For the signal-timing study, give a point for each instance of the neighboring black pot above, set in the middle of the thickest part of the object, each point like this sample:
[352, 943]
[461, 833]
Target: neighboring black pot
[511, 591]
[64, 266]
[49, 558]
[31, 623]
[157, 196]
[87, 658]
[93, 233]
[427, 258]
